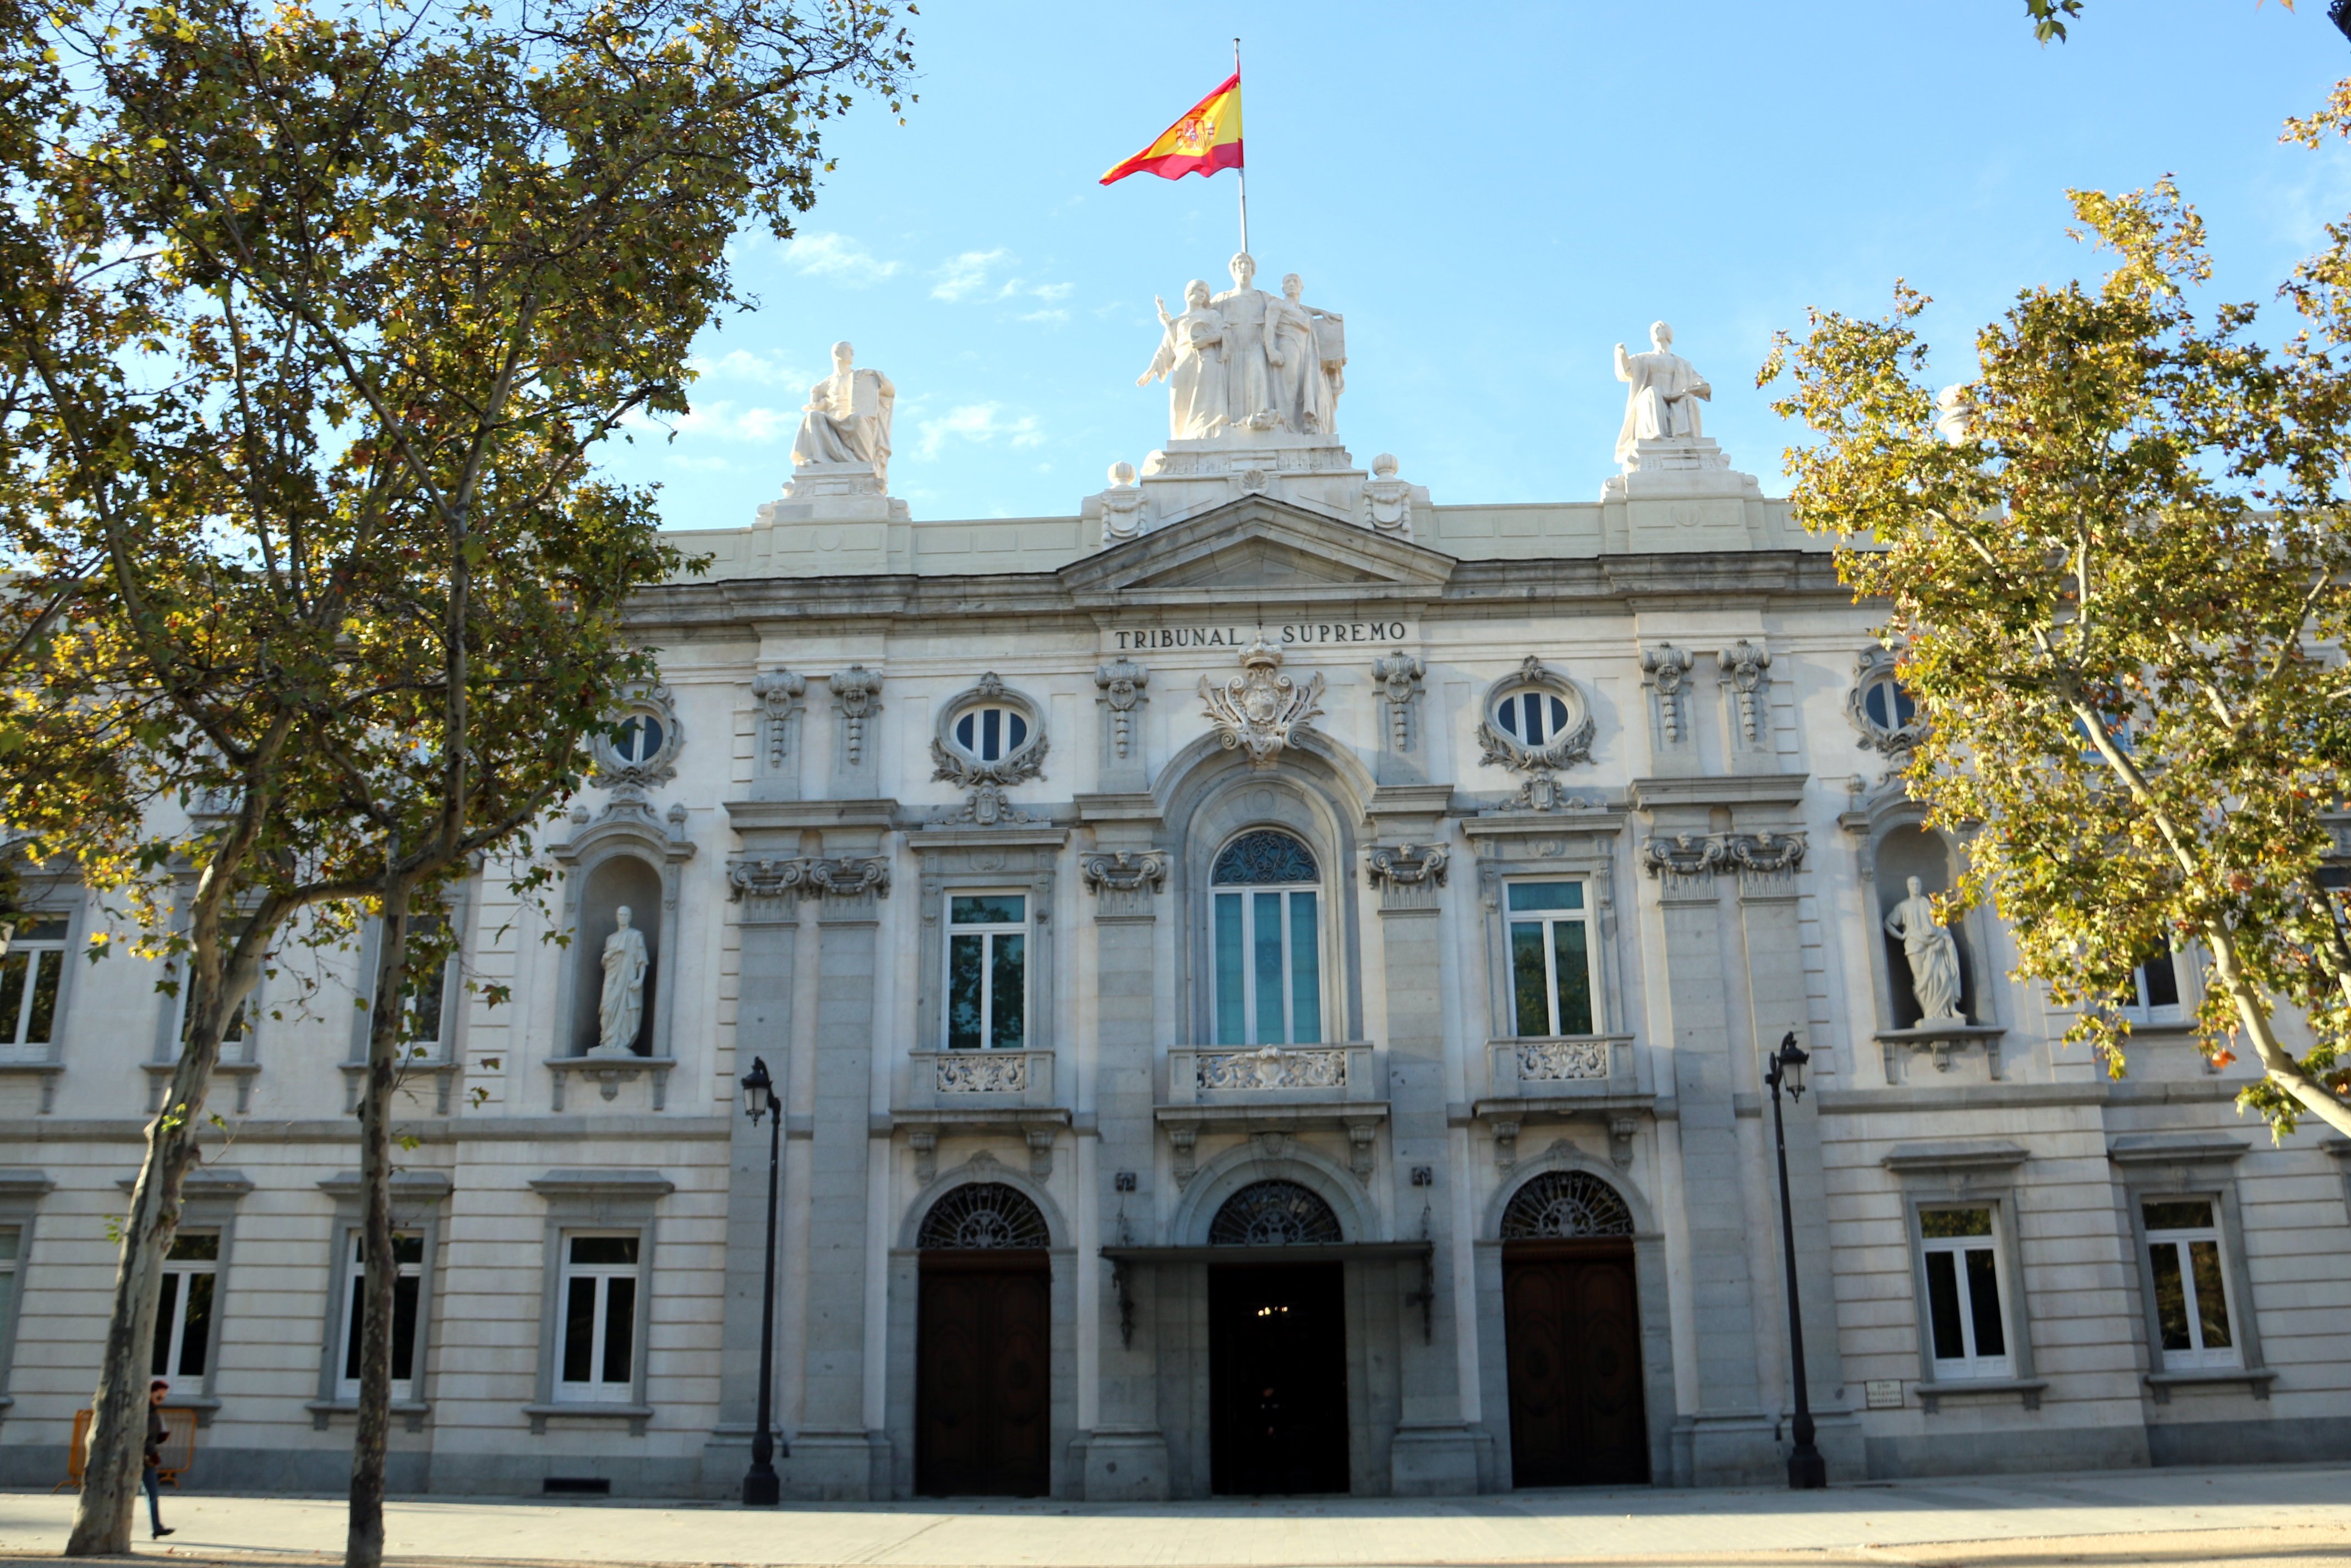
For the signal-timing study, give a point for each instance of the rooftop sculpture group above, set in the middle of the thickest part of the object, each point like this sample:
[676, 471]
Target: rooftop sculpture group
[1248, 361]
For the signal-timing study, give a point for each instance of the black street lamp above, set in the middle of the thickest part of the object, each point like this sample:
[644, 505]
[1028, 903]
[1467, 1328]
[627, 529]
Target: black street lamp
[1806, 1469]
[761, 1487]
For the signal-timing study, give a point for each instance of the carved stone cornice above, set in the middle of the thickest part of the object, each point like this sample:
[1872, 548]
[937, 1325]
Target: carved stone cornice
[1125, 871]
[1759, 856]
[809, 877]
[1766, 852]
[1684, 854]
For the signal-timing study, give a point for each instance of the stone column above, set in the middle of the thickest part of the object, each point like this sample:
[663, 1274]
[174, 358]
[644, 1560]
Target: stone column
[1728, 1440]
[768, 922]
[1126, 1451]
[1768, 863]
[1436, 1452]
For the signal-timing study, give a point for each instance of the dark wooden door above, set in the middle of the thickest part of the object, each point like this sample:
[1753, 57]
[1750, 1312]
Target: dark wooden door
[983, 1382]
[1278, 1379]
[1572, 1324]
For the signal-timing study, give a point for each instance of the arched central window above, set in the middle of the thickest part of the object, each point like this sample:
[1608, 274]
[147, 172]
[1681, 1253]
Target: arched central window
[1268, 938]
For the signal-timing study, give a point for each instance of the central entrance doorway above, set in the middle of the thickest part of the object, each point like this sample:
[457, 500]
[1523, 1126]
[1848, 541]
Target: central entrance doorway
[1277, 1348]
[1278, 1378]
[983, 1347]
[1572, 1325]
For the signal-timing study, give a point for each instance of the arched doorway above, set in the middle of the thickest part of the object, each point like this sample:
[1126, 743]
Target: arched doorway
[1276, 1346]
[983, 1384]
[1571, 1322]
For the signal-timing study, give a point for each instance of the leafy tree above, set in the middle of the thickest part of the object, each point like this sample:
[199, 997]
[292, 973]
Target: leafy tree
[320, 316]
[2120, 582]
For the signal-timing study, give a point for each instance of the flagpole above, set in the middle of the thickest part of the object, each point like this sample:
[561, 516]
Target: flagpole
[1242, 172]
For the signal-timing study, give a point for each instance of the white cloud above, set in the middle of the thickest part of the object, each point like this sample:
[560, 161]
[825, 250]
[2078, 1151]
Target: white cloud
[982, 424]
[1046, 315]
[723, 420]
[965, 275]
[744, 365]
[837, 258]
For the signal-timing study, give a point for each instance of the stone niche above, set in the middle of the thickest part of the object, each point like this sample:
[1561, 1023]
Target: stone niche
[623, 879]
[1907, 850]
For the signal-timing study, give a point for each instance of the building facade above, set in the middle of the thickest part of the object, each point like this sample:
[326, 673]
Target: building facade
[1266, 981]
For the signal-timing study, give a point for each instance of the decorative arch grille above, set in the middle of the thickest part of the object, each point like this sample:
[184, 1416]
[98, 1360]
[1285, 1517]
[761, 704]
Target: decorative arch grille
[982, 1214]
[1565, 1203]
[1262, 857]
[1274, 1214]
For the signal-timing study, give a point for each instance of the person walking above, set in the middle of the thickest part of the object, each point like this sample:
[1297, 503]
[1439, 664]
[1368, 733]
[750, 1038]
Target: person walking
[156, 1432]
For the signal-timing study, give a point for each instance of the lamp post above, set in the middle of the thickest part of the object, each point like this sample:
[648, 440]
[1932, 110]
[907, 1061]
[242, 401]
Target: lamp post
[761, 1487]
[1806, 1469]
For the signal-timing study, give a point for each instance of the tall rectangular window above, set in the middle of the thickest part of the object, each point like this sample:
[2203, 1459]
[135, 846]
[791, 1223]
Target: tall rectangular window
[2191, 1293]
[424, 1033]
[988, 971]
[1551, 959]
[12, 1242]
[28, 990]
[2154, 994]
[1268, 967]
[408, 1254]
[596, 1360]
[1965, 1326]
[183, 1316]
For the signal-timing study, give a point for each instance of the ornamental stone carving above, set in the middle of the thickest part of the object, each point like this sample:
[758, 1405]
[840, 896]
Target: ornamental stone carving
[641, 749]
[808, 876]
[1683, 854]
[1258, 710]
[1404, 865]
[1700, 854]
[1271, 1067]
[1399, 676]
[1667, 668]
[1564, 740]
[1387, 500]
[1125, 871]
[779, 691]
[988, 761]
[1745, 663]
[1766, 852]
[983, 1072]
[1560, 1060]
[1877, 707]
[856, 692]
[1122, 682]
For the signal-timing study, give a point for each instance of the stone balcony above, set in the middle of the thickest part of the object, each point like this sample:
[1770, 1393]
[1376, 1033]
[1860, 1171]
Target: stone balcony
[1593, 1077]
[1000, 1092]
[1337, 1086]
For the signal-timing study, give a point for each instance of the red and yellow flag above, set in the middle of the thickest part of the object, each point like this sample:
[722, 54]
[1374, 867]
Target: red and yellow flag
[1209, 138]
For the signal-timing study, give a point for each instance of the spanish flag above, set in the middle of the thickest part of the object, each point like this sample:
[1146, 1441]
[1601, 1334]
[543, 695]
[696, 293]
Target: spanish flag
[1209, 138]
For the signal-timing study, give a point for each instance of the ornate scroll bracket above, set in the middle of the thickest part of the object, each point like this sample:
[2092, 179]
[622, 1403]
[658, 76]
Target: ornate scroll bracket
[808, 876]
[1258, 710]
[779, 691]
[1399, 676]
[1667, 668]
[1122, 682]
[1407, 875]
[1745, 663]
[856, 692]
[1759, 855]
[1684, 855]
[1125, 871]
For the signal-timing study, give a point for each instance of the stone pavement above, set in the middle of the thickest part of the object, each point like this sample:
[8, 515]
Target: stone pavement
[2278, 1517]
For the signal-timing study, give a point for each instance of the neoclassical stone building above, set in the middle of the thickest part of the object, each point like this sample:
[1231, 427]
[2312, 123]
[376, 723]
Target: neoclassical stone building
[1267, 978]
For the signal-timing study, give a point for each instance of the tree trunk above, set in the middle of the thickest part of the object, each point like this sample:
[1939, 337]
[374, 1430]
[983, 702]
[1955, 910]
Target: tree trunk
[118, 1427]
[2276, 1060]
[364, 1543]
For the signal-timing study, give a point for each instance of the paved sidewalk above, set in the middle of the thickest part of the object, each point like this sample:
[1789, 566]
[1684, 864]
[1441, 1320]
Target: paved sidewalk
[2277, 1518]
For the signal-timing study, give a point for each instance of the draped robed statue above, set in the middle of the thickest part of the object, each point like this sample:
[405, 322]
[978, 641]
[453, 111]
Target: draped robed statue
[1662, 401]
[623, 1007]
[1248, 361]
[1934, 957]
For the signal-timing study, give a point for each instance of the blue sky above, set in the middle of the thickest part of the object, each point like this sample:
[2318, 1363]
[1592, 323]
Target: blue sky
[1492, 195]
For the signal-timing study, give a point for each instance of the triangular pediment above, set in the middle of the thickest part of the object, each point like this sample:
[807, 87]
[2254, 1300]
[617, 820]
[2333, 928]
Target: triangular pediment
[1255, 546]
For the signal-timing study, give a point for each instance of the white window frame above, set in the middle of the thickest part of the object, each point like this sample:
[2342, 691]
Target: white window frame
[173, 1325]
[1973, 1364]
[1546, 919]
[2199, 1356]
[17, 1233]
[439, 1043]
[240, 1040]
[1247, 894]
[597, 1390]
[1897, 695]
[354, 1292]
[33, 954]
[989, 932]
[2140, 1011]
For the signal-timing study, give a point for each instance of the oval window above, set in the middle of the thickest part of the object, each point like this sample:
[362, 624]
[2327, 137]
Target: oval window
[638, 739]
[1533, 718]
[1889, 706]
[990, 733]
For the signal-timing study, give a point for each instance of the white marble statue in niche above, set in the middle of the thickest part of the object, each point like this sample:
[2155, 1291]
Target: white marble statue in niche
[1934, 957]
[847, 420]
[1191, 359]
[1662, 405]
[622, 1008]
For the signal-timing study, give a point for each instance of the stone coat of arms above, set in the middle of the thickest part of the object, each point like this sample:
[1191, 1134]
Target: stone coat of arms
[1257, 710]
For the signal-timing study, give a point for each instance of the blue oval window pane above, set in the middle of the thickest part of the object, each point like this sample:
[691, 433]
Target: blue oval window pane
[1016, 731]
[962, 731]
[638, 739]
[1532, 718]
